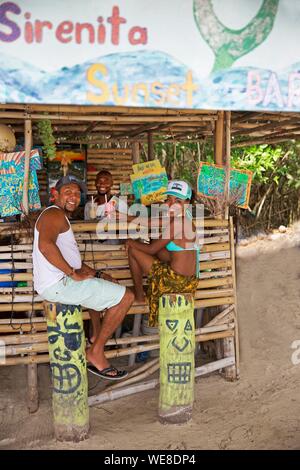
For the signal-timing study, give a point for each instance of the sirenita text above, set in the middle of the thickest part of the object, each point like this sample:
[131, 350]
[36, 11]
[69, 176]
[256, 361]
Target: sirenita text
[16, 24]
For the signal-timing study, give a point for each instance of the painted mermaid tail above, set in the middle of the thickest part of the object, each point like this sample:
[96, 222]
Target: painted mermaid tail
[227, 44]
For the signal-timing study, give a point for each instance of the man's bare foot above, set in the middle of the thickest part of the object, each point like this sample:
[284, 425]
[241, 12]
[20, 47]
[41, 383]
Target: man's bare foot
[104, 371]
[98, 360]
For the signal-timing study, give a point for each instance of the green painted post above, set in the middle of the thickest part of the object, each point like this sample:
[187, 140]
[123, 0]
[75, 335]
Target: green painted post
[66, 342]
[177, 364]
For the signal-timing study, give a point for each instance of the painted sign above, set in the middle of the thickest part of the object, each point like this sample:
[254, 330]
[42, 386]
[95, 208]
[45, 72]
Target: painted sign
[149, 182]
[211, 183]
[203, 54]
[12, 181]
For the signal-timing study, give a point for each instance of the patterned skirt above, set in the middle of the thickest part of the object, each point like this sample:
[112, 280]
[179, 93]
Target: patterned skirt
[163, 280]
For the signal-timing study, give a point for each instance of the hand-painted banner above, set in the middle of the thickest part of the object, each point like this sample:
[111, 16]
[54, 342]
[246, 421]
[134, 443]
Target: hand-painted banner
[211, 184]
[149, 182]
[12, 181]
[202, 54]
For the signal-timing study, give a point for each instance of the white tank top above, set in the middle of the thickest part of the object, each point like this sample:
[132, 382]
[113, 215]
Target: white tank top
[46, 274]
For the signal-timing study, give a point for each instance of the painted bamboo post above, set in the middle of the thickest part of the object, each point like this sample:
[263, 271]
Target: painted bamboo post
[66, 342]
[177, 362]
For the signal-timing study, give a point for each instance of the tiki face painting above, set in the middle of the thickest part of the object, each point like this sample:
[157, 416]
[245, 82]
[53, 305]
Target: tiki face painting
[177, 337]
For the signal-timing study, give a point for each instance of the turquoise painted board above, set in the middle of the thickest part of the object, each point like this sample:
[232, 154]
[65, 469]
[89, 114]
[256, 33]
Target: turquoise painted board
[149, 188]
[11, 182]
[211, 183]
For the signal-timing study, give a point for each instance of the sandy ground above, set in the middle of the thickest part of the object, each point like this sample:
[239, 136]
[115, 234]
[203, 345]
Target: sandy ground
[260, 411]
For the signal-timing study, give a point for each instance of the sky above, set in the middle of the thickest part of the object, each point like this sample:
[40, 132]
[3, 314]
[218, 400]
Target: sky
[171, 29]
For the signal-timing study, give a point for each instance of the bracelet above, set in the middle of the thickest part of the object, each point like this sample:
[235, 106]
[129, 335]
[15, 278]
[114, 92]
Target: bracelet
[71, 273]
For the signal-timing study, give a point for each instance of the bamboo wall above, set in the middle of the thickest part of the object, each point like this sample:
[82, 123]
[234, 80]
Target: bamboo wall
[118, 161]
[21, 309]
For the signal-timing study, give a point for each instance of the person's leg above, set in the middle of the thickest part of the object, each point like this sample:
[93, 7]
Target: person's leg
[112, 319]
[140, 264]
[164, 255]
[96, 323]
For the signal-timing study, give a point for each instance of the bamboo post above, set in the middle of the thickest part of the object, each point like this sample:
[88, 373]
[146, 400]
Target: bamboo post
[68, 368]
[229, 351]
[231, 345]
[136, 152]
[28, 143]
[150, 146]
[227, 163]
[32, 388]
[135, 332]
[177, 362]
[219, 138]
[236, 326]
[32, 383]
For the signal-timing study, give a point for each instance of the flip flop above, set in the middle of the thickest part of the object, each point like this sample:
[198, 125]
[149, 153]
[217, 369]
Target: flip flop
[105, 373]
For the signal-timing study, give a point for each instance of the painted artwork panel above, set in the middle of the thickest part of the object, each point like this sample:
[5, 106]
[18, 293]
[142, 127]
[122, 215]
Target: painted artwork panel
[192, 54]
[11, 182]
[211, 183]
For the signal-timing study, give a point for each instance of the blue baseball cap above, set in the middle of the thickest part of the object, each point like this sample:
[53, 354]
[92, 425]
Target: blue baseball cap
[70, 179]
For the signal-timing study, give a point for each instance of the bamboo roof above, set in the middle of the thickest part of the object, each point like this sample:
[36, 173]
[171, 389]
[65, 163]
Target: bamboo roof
[99, 124]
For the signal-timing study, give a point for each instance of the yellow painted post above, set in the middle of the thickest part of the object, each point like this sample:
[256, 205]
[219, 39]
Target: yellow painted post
[177, 365]
[68, 368]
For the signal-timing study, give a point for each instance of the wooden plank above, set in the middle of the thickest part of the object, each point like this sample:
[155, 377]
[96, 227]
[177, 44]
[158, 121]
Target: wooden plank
[221, 317]
[213, 293]
[118, 151]
[215, 247]
[16, 265]
[21, 307]
[214, 302]
[5, 298]
[25, 338]
[215, 264]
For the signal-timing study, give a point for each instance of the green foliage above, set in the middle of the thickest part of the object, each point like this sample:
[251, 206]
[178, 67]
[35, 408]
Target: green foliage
[181, 160]
[277, 164]
[276, 181]
[275, 192]
[46, 136]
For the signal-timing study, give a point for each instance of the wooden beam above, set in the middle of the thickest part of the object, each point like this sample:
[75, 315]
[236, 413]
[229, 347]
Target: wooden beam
[271, 126]
[105, 118]
[82, 109]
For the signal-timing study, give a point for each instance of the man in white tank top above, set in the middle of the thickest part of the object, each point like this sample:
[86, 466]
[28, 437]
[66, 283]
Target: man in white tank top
[60, 276]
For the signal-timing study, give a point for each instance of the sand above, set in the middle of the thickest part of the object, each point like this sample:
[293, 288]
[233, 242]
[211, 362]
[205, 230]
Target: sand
[260, 411]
